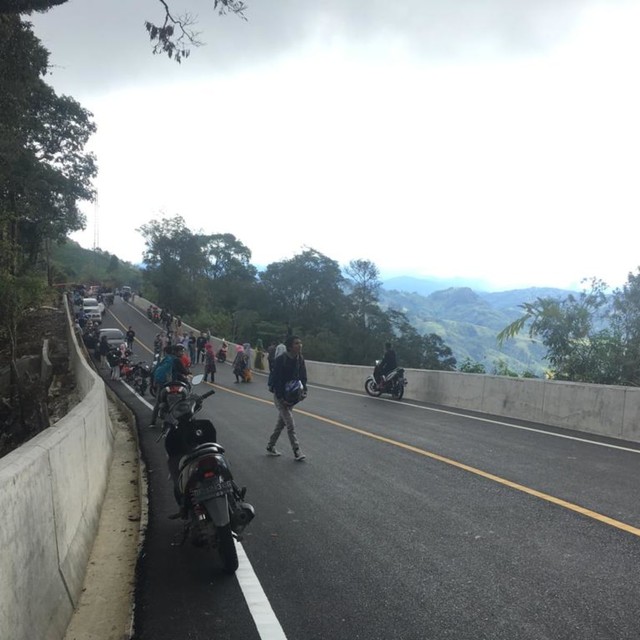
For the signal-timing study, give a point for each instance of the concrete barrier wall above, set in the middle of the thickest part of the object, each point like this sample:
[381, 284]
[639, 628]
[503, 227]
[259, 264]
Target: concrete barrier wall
[606, 410]
[51, 492]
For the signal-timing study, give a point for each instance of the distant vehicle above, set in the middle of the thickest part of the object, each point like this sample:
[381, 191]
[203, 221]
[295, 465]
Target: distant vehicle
[115, 337]
[91, 309]
[125, 293]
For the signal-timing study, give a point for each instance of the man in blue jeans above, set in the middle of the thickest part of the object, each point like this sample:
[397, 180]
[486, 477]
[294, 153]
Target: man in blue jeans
[289, 384]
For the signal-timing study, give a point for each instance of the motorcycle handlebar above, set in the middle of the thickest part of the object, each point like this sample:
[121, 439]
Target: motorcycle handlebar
[206, 395]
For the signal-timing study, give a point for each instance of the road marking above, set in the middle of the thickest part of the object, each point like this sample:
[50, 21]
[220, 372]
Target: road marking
[501, 423]
[484, 474]
[265, 619]
[460, 465]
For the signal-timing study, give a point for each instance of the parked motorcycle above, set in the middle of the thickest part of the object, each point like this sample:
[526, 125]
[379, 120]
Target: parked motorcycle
[152, 385]
[212, 505]
[138, 375]
[394, 383]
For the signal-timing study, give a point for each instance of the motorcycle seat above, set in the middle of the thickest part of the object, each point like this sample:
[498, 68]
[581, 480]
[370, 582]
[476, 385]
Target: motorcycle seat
[208, 447]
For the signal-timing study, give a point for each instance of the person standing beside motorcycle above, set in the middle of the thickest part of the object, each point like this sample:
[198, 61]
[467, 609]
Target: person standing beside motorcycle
[289, 384]
[388, 363]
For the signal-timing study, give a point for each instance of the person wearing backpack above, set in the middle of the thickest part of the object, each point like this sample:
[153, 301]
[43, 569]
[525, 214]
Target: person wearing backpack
[170, 369]
[289, 384]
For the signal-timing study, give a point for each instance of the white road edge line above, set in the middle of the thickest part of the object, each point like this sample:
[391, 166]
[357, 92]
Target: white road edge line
[265, 619]
[488, 420]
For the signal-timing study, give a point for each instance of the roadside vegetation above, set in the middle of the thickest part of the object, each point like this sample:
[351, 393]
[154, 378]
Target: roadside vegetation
[208, 278]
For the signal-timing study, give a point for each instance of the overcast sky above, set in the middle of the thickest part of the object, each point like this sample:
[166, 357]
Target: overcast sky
[493, 140]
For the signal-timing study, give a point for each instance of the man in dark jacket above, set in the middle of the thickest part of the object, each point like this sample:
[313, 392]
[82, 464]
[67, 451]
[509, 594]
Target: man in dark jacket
[388, 363]
[289, 383]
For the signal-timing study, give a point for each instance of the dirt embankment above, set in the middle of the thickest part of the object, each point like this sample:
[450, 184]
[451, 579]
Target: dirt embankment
[30, 405]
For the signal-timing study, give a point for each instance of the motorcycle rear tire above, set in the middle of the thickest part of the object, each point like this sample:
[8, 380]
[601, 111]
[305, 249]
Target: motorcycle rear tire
[227, 549]
[398, 392]
[371, 389]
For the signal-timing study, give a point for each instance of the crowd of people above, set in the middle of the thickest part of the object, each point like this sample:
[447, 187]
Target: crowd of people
[177, 349]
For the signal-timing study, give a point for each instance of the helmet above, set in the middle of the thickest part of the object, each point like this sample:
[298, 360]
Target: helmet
[293, 392]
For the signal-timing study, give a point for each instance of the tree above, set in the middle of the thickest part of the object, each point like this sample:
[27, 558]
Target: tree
[44, 170]
[625, 322]
[306, 290]
[364, 288]
[227, 257]
[580, 347]
[174, 35]
[175, 262]
[436, 355]
[469, 366]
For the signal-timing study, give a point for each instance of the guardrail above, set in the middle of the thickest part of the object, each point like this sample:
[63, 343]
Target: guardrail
[51, 493]
[612, 411]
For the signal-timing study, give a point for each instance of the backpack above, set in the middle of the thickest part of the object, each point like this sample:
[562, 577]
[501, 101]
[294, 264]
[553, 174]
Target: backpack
[164, 371]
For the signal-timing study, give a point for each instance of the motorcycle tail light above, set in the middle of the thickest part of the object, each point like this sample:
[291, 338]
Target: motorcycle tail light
[176, 389]
[208, 467]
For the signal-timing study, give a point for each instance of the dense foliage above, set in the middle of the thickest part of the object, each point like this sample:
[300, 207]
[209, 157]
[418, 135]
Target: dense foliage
[45, 173]
[43, 169]
[589, 337]
[210, 281]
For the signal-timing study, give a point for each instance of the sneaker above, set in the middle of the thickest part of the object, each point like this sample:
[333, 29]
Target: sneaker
[298, 455]
[272, 451]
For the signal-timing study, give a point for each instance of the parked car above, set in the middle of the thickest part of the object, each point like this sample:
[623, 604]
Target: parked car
[91, 310]
[115, 338]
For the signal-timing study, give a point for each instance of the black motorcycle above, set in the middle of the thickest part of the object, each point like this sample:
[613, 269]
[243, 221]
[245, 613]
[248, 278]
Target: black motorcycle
[211, 504]
[139, 377]
[393, 383]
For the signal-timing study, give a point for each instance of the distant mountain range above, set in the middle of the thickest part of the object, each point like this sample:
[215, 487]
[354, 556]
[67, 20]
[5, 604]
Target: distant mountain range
[468, 321]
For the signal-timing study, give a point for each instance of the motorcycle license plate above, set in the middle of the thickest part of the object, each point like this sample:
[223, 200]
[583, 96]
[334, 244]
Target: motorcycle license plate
[212, 488]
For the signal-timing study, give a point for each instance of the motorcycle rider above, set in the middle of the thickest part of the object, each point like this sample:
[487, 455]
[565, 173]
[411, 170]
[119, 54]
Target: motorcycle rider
[388, 363]
[179, 373]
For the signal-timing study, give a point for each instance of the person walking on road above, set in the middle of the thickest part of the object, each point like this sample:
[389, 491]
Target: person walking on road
[289, 383]
[209, 362]
[130, 336]
[103, 350]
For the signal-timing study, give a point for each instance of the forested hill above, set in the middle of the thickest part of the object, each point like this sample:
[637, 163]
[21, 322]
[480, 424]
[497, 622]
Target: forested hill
[468, 321]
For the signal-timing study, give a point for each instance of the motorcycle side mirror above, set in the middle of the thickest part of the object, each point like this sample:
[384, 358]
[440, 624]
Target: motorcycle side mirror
[197, 379]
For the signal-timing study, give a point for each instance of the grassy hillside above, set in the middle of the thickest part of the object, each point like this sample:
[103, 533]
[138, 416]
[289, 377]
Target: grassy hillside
[72, 263]
[469, 323]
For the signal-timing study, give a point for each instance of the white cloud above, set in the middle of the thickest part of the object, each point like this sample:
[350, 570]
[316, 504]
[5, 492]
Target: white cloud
[515, 170]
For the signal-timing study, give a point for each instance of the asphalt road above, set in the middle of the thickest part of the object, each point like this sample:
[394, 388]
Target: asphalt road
[405, 521]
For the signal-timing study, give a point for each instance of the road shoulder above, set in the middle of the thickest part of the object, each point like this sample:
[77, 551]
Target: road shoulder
[105, 611]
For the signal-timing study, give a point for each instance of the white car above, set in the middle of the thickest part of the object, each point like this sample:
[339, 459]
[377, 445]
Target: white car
[91, 310]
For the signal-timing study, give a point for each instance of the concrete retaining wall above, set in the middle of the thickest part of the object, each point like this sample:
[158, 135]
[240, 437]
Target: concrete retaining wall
[51, 492]
[606, 410]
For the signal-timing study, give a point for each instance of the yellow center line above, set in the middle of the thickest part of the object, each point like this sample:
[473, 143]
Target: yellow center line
[594, 515]
[484, 474]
